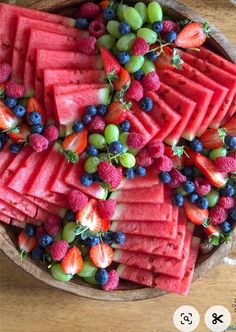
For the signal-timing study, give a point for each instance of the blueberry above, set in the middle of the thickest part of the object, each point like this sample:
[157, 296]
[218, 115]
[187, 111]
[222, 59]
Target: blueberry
[45, 240]
[189, 187]
[19, 111]
[36, 129]
[34, 118]
[30, 230]
[86, 179]
[225, 227]
[227, 191]
[170, 37]
[91, 110]
[1, 145]
[10, 102]
[119, 238]
[164, 177]
[232, 213]
[140, 171]
[193, 198]
[152, 56]
[129, 173]
[78, 126]
[94, 241]
[202, 203]
[15, 147]
[124, 28]
[139, 75]
[101, 276]
[108, 238]
[87, 119]
[96, 177]
[125, 126]
[102, 109]
[123, 58]
[4, 137]
[116, 147]
[82, 23]
[92, 150]
[146, 104]
[188, 172]
[37, 254]
[178, 199]
[109, 14]
[196, 145]
[157, 26]
[230, 141]
[70, 215]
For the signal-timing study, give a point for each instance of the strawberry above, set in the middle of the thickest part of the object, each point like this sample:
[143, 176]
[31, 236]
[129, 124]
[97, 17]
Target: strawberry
[190, 157]
[34, 106]
[26, 244]
[164, 59]
[7, 119]
[212, 231]
[192, 35]
[106, 224]
[122, 81]
[75, 143]
[211, 139]
[20, 134]
[111, 65]
[101, 255]
[117, 112]
[72, 263]
[178, 162]
[89, 216]
[209, 170]
[194, 213]
[104, 4]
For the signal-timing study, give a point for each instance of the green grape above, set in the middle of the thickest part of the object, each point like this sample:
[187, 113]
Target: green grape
[125, 42]
[149, 35]
[134, 64]
[91, 165]
[120, 12]
[68, 233]
[142, 10]
[115, 50]
[59, 274]
[106, 41]
[97, 140]
[89, 270]
[221, 152]
[91, 280]
[113, 28]
[127, 160]
[213, 197]
[180, 190]
[111, 133]
[148, 66]
[154, 12]
[123, 140]
[133, 18]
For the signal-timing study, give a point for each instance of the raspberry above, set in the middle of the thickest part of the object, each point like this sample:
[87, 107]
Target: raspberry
[226, 203]
[77, 200]
[218, 215]
[39, 232]
[113, 281]
[52, 224]
[51, 133]
[97, 125]
[156, 148]
[143, 158]
[202, 186]
[135, 140]
[96, 29]
[89, 10]
[106, 208]
[100, 18]
[177, 179]
[87, 45]
[110, 174]
[169, 26]
[59, 249]
[225, 164]
[151, 81]
[135, 91]
[5, 72]
[38, 142]
[15, 90]
[164, 164]
[232, 154]
[140, 46]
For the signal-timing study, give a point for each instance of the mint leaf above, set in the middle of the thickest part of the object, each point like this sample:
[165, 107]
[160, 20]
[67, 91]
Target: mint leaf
[176, 60]
[206, 223]
[215, 240]
[179, 151]
[15, 130]
[222, 133]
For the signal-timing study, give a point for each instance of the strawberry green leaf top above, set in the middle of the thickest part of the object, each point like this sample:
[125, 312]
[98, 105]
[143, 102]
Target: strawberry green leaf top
[222, 133]
[215, 240]
[176, 60]
[179, 151]
[71, 156]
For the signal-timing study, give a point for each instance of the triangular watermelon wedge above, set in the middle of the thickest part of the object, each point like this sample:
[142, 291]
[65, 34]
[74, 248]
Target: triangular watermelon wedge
[47, 206]
[11, 211]
[6, 158]
[231, 111]
[138, 127]
[4, 218]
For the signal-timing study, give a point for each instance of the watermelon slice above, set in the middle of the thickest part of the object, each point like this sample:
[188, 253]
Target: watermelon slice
[11, 211]
[6, 158]
[48, 207]
[138, 127]
[231, 111]
[201, 95]
[58, 184]
[17, 223]
[4, 218]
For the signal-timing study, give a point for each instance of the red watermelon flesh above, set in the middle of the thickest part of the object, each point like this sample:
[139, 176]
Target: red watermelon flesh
[49, 207]
[6, 158]
[139, 276]
[4, 218]
[218, 75]
[218, 97]
[22, 39]
[17, 223]
[137, 127]
[58, 184]
[181, 105]
[231, 111]
[11, 211]
[201, 95]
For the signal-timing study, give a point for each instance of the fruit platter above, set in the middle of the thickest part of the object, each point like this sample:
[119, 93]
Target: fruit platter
[117, 146]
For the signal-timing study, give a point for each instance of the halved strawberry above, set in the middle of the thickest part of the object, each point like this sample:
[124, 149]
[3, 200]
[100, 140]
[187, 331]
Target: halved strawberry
[89, 216]
[20, 134]
[72, 263]
[117, 112]
[111, 65]
[76, 142]
[7, 119]
[106, 224]
[212, 231]
[101, 255]
[209, 170]
[190, 157]
[193, 35]
[194, 213]
[211, 139]
[34, 106]
[164, 59]
[122, 82]
[26, 244]
[178, 162]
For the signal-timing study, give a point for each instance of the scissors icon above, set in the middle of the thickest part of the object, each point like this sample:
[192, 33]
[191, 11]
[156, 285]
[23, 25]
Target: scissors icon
[217, 319]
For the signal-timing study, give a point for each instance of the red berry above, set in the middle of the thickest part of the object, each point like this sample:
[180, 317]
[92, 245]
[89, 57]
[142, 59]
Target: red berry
[225, 164]
[89, 217]
[218, 215]
[106, 208]
[143, 158]
[232, 154]
[96, 29]
[15, 90]
[38, 142]
[89, 10]
[101, 255]
[113, 281]
[177, 179]
[5, 72]
[87, 45]
[52, 224]
[97, 125]
[226, 203]
[72, 263]
[156, 148]
[164, 164]
[135, 140]
[51, 133]
[77, 200]
[135, 91]
[140, 46]
[202, 186]
[151, 81]
[59, 249]
[110, 174]
[169, 26]
[26, 244]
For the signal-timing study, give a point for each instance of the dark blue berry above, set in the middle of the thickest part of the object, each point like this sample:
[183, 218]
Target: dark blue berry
[102, 109]
[15, 147]
[164, 177]
[225, 227]
[146, 104]
[78, 126]
[125, 126]
[30, 230]
[37, 254]
[188, 172]
[10, 102]
[232, 213]
[4, 137]
[1, 145]
[170, 37]
[109, 14]
[119, 238]
[70, 215]
[178, 199]
[94, 241]
[123, 58]
[152, 56]
[34, 118]
[96, 177]
[101, 276]
[86, 179]
[108, 238]
[202, 203]
[92, 150]
[157, 26]
[193, 198]
[139, 75]
[45, 240]
[230, 141]
[19, 111]
[129, 173]
[227, 191]
[140, 171]
[116, 147]
[82, 23]
[124, 28]
[87, 119]
[91, 110]
[36, 129]
[189, 187]
[196, 145]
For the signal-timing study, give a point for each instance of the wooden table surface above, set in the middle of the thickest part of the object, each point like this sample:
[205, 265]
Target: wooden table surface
[28, 305]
